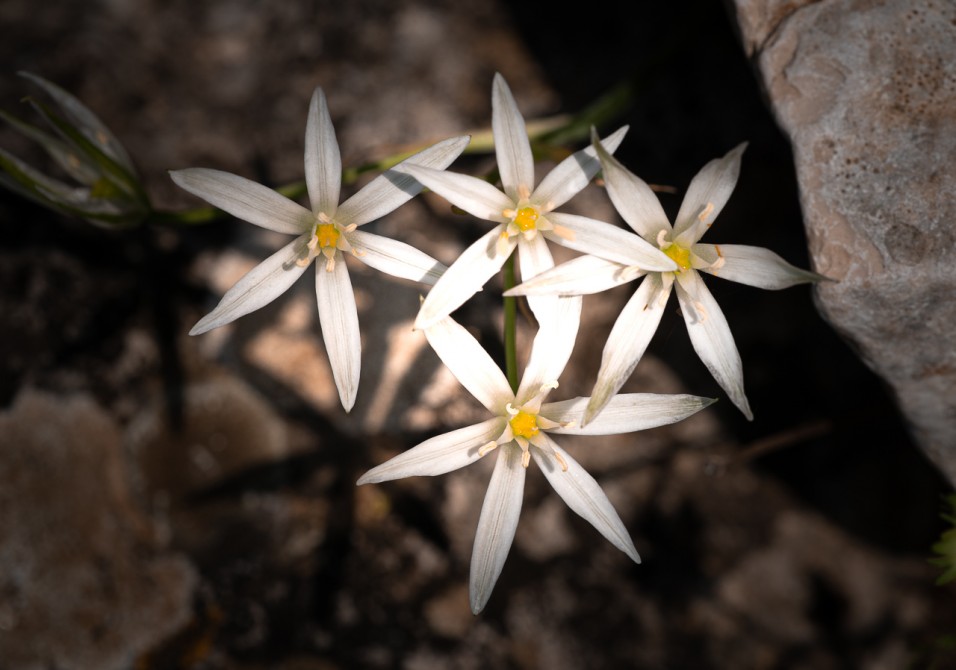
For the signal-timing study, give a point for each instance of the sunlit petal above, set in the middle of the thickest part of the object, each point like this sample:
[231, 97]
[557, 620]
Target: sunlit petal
[632, 332]
[245, 199]
[323, 164]
[496, 525]
[579, 276]
[534, 257]
[557, 333]
[260, 286]
[585, 497]
[632, 197]
[438, 455]
[624, 413]
[470, 364]
[515, 162]
[475, 196]
[570, 176]
[340, 328]
[395, 258]
[711, 337]
[708, 193]
[611, 242]
[464, 278]
[393, 188]
[754, 266]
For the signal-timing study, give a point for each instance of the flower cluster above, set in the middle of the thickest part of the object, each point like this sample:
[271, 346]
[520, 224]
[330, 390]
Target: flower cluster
[524, 216]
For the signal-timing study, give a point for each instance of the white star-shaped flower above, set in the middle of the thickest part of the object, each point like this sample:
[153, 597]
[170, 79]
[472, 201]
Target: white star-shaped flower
[525, 215]
[706, 325]
[520, 430]
[328, 231]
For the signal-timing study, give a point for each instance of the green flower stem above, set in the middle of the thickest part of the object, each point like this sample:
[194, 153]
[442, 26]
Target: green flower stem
[510, 334]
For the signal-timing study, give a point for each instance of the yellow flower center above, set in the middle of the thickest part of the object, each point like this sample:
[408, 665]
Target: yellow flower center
[679, 255]
[526, 218]
[524, 425]
[327, 235]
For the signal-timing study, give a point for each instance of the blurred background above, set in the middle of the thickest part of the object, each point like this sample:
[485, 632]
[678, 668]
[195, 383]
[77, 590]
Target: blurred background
[177, 502]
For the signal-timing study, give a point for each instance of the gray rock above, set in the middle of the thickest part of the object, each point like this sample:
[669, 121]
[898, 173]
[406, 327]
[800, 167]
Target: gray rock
[867, 94]
[84, 583]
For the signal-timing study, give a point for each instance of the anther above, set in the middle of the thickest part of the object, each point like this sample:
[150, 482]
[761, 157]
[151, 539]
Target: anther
[708, 209]
[486, 449]
[525, 458]
[560, 459]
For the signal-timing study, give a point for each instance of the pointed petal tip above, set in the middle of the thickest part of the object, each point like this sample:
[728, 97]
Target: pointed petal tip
[200, 328]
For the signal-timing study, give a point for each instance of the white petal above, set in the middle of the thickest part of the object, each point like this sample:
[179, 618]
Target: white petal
[470, 363]
[515, 162]
[395, 258]
[584, 496]
[438, 455]
[245, 199]
[323, 164]
[754, 266]
[393, 188]
[632, 197]
[711, 186]
[475, 196]
[557, 332]
[464, 278]
[570, 176]
[340, 328]
[711, 337]
[496, 525]
[625, 413]
[534, 257]
[579, 276]
[260, 286]
[628, 341]
[611, 242]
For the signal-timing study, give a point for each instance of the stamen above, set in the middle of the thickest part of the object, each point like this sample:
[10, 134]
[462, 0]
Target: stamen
[708, 209]
[564, 233]
[719, 263]
[503, 244]
[560, 459]
[661, 238]
[510, 409]
[523, 192]
[525, 458]
[701, 311]
[487, 449]
[330, 264]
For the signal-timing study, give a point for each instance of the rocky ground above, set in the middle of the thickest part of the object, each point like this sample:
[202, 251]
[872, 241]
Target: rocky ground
[176, 502]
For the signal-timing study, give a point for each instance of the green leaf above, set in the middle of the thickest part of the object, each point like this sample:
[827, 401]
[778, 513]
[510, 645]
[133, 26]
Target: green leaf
[86, 121]
[117, 173]
[65, 156]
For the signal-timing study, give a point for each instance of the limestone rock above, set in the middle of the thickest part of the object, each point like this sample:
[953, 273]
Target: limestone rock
[83, 583]
[867, 94]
